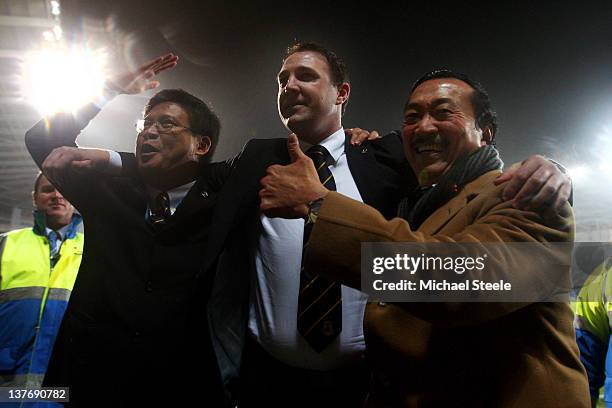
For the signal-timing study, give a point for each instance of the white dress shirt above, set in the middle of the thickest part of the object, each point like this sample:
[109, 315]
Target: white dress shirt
[275, 288]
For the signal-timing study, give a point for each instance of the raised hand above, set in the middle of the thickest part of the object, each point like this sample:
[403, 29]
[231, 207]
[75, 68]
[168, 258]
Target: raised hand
[141, 79]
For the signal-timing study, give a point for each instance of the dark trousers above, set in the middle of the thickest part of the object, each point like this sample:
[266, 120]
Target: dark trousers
[267, 382]
[177, 371]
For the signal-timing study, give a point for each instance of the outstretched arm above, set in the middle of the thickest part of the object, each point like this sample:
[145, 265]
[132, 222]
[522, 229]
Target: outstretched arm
[62, 129]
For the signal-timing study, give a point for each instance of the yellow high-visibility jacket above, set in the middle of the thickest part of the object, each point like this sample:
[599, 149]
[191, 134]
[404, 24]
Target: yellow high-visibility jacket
[33, 297]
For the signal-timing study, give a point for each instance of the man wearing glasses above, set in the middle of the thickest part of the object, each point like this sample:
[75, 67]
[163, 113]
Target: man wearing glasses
[134, 331]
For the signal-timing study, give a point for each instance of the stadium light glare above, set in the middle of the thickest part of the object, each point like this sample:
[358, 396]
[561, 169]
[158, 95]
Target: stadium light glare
[60, 79]
[606, 167]
[55, 8]
[578, 173]
[57, 30]
[48, 36]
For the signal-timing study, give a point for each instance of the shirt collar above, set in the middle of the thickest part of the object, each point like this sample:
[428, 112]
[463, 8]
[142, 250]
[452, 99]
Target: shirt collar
[334, 144]
[176, 195]
[67, 232]
[61, 232]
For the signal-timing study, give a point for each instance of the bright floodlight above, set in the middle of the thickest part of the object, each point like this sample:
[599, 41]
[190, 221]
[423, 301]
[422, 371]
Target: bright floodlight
[606, 168]
[60, 79]
[577, 173]
[55, 8]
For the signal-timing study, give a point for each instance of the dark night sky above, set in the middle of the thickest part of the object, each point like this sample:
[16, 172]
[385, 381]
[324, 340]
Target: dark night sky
[548, 68]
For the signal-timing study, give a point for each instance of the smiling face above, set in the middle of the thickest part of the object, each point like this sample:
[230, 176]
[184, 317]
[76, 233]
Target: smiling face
[158, 152]
[439, 127]
[309, 104]
[47, 199]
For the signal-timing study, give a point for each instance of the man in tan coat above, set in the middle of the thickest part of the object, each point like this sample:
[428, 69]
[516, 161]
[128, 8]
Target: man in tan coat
[443, 354]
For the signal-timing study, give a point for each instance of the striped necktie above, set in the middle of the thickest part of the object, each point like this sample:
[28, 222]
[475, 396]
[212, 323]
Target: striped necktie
[320, 300]
[160, 209]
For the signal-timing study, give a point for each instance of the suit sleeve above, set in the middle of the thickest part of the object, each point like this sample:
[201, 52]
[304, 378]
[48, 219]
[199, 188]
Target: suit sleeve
[334, 248]
[593, 328]
[58, 130]
[61, 130]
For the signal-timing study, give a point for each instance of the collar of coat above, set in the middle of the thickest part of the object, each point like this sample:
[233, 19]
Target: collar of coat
[471, 190]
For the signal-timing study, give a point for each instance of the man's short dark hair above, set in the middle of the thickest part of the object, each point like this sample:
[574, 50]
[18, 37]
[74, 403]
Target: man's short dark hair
[202, 119]
[337, 69]
[39, 176]
[481, 103]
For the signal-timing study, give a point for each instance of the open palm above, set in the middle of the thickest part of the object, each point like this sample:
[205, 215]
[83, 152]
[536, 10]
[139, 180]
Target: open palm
[141, 79]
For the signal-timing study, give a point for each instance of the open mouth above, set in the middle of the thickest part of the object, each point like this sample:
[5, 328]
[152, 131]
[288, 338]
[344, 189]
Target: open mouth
[148, 149]
[428, 144]
[429, 148]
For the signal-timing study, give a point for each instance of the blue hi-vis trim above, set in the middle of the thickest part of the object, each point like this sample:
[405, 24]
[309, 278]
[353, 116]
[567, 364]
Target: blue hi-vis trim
[19, 319]
[593, 356]
[23, 349]
[49, 326]
[608, 371]
[608, 392]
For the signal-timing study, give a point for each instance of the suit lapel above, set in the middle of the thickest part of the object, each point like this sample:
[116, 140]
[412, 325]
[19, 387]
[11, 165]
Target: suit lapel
[360, 161]
[197, 198]
[239, 195]
[444, 214]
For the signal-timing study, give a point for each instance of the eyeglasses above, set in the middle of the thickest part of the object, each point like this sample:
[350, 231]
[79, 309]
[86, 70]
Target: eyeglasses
[164, 126]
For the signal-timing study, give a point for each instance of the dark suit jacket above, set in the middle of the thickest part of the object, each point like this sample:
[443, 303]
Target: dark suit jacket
[382, 176]
[460, 354]
[134, 330]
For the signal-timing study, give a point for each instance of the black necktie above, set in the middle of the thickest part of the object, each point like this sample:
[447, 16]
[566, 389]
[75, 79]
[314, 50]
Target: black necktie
[160, 209]
[320, 300]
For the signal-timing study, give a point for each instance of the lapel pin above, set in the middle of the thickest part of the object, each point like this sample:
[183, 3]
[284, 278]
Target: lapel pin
[204, 194]
[364, 150]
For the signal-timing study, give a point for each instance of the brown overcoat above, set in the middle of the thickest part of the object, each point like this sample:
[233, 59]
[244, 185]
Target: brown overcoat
[457, 355]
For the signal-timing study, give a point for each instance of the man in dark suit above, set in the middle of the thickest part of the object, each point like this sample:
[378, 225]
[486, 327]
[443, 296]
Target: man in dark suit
[281, 366]
[133, 332]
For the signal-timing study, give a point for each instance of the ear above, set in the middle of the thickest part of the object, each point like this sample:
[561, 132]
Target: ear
[203, 145]
[344, 90]
[487, 136]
